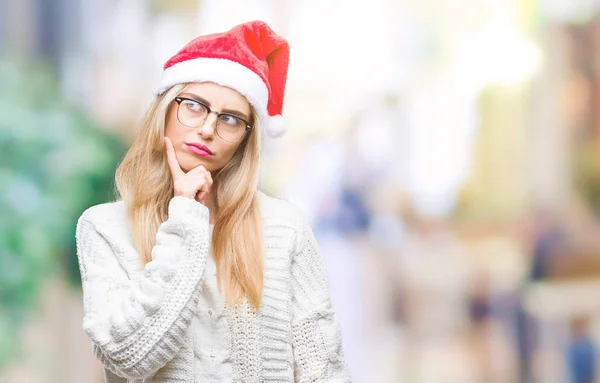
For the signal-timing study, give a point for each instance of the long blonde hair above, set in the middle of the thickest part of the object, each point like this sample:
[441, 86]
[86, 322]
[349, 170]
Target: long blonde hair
[144, 181]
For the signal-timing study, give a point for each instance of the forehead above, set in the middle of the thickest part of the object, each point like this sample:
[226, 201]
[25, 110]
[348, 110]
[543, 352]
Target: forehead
[219, 97]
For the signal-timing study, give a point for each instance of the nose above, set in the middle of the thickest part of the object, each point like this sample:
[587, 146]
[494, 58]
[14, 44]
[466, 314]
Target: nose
[208, 127]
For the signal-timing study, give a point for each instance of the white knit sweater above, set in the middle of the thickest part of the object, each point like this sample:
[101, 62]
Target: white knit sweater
[156, 323]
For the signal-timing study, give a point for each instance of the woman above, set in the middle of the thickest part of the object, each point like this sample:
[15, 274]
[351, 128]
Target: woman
[194, 275]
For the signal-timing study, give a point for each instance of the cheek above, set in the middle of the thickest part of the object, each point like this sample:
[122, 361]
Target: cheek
[228, 152]
[171, 126]
[177, 135]
[225, 155]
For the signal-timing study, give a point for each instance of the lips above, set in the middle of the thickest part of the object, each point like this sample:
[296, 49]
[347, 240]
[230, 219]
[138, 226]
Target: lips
[199, 148]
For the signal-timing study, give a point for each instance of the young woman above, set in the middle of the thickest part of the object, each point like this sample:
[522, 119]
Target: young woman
[194, 275]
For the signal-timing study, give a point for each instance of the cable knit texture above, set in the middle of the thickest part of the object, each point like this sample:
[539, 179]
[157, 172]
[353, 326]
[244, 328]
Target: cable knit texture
[165, 323]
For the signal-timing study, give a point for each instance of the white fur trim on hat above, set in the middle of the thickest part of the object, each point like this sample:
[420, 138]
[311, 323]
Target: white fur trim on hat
[223, 72]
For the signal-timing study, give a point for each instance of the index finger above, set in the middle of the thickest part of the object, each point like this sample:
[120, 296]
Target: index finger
[172, 159]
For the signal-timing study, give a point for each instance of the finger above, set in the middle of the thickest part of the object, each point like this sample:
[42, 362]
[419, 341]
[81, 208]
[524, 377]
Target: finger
[206, 187]
[207, 183]
[198, 169]
[201, 195]
[199, 177]
[209, 179]
[172, 159]
[201, 170]
[208, 174]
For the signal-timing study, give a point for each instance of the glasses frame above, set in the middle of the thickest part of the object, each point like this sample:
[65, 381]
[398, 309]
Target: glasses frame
[179, 100]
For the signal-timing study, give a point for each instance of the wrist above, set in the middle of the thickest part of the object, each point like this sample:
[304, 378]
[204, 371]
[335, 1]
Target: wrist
[183, 194]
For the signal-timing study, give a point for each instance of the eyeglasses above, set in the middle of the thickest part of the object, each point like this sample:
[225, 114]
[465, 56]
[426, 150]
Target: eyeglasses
[193, 113]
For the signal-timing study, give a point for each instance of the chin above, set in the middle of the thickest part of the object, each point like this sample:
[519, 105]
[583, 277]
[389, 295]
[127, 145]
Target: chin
[189, 166]
[189, 161]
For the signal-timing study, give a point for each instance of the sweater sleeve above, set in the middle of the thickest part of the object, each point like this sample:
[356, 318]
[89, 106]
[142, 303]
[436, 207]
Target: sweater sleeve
[137, 327]
[316, 332]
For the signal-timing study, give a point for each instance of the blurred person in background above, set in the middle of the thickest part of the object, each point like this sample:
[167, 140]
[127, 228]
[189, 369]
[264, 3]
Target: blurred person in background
[433, 278]
[546, 236]
[564, 262]
[581, 352]
[195, 274]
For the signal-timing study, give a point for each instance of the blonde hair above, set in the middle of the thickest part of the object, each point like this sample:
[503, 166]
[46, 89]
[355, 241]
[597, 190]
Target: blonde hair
[144, 181]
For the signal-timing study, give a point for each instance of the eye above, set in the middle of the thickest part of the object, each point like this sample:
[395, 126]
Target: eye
[230, 120]
[194, 106]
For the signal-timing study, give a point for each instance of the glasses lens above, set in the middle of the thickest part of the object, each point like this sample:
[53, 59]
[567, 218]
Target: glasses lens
[191, 113]
[230, 128]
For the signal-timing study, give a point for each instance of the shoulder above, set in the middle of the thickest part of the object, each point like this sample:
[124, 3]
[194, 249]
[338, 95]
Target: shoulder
[111, 214]
[285, 220]
[280, 212]
[107, 223]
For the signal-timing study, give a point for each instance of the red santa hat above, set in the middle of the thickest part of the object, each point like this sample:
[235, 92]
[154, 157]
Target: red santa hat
[249, 58]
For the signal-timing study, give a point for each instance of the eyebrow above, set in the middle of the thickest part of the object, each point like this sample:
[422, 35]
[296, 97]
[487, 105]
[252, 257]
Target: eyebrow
[204, 101]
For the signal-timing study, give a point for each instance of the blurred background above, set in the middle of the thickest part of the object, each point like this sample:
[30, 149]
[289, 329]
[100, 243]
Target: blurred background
[454, 145]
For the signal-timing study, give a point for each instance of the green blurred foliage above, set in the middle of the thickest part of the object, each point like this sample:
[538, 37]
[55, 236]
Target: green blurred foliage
[54, 163]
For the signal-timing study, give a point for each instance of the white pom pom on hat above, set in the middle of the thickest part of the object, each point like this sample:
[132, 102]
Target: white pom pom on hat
[250, 58]
[276, 126]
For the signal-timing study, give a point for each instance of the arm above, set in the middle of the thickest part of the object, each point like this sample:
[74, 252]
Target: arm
[137, 327]
[316, 333]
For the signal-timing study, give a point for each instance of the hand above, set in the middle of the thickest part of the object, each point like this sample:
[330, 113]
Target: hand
[194, 184]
